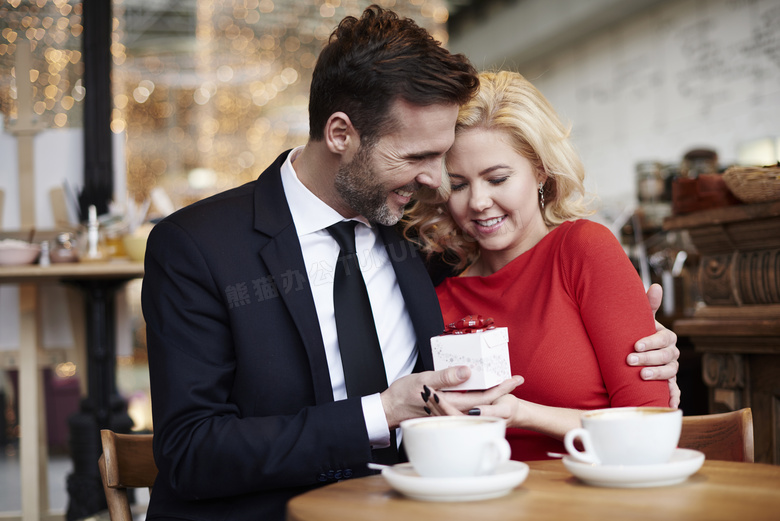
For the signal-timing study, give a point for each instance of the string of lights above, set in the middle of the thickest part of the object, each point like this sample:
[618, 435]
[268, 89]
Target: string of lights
[206, 92]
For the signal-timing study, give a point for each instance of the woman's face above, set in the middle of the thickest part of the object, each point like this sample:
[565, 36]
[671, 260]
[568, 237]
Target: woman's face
[494, 195]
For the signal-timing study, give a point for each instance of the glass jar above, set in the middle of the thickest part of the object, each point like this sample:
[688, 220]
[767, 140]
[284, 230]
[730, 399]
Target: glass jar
[649, 182]
[65, 248]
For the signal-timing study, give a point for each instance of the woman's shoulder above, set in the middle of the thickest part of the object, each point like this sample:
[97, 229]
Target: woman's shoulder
[585, 232]
[587, 242]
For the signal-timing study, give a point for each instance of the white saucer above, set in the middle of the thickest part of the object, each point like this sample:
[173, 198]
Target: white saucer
[684, 463]
[404, 479]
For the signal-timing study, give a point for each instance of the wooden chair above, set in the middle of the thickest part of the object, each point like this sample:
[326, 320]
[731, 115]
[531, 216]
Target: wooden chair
[726, 436]
[126, 462]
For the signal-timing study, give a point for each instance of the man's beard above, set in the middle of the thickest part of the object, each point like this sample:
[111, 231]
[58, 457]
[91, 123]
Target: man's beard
[355, 183]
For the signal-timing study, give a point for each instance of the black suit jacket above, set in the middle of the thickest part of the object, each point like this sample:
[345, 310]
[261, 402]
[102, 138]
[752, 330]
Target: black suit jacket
[243, 409]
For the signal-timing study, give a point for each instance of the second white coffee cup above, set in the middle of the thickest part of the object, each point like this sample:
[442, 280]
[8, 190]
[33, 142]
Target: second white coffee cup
[455, 446]
[626, 436]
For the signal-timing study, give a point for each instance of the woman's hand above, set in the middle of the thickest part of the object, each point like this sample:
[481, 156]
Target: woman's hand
[508, 407]
[492, 402]
[453, 403]
[551, 421]
[401, 400]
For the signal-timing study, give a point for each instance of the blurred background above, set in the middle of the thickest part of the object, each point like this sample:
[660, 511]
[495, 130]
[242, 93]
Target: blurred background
[663, 96]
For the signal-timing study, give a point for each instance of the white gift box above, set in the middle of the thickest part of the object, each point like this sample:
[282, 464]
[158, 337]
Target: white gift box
[486, 353]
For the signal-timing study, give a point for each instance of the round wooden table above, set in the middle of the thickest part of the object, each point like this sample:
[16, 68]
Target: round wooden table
[718, 491]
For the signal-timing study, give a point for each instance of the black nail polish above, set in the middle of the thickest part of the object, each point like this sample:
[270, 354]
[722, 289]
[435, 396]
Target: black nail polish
[474, 412]
[424, 397]
[426, 409]
[427, 392]
[436, 398]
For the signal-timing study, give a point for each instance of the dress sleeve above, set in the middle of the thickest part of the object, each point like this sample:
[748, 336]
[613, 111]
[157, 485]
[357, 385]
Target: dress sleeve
[614, 309]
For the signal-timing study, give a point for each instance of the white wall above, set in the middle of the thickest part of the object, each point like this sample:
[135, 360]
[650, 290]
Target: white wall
[678, 75]
[58, 159]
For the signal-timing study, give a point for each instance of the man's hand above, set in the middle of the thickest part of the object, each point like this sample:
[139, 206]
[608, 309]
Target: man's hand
[403, 399]
[658, 353]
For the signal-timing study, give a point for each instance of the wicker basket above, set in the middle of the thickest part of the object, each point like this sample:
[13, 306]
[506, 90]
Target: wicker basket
[754, 184]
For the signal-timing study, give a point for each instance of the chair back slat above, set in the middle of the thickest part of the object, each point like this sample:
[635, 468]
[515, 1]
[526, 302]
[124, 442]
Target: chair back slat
[725, 436]
[127, 462]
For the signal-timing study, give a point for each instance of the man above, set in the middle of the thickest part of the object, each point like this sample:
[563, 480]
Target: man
[248, 392]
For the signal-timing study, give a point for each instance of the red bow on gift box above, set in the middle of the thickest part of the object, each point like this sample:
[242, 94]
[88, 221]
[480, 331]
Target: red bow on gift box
[469, 324]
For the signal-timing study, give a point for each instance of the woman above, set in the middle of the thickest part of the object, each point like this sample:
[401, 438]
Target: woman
[509, 217]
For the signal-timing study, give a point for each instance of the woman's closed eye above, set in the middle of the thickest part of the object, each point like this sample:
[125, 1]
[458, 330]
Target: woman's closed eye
[457, 182]
[457, 187]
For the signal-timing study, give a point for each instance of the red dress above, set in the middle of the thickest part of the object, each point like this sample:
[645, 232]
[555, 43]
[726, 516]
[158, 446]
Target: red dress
[574, 306]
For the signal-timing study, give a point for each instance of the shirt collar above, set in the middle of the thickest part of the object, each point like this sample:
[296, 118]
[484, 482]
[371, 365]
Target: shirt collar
[310, 214]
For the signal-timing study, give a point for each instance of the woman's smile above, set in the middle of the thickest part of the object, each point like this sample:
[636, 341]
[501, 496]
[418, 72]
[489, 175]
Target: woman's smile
[486, 226]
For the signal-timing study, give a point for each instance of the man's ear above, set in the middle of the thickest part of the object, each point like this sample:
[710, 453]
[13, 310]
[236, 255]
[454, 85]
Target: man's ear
[340, 135]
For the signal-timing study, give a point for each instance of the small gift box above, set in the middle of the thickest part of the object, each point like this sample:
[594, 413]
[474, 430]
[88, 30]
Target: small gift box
[477, 343]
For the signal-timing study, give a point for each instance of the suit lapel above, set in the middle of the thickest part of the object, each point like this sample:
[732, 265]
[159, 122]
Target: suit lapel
[283, 257]
[417, 290]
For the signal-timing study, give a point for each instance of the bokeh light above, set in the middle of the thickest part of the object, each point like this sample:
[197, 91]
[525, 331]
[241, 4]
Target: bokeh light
[222, 89]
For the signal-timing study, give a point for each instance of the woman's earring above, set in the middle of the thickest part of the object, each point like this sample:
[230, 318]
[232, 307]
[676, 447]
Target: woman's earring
[541, 194]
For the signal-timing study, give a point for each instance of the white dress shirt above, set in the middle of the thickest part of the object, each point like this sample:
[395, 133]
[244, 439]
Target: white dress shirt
[311, 217]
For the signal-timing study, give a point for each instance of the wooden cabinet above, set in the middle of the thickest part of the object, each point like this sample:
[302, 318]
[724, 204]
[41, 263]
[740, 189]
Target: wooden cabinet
[737, 330]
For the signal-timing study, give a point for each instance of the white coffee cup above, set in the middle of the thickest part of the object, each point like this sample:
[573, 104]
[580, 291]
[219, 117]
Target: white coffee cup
[626, 436]
[455, 446]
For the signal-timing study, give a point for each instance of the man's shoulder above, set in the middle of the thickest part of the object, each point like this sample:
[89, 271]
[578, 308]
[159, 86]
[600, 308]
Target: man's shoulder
[219, 208]
[232, 196]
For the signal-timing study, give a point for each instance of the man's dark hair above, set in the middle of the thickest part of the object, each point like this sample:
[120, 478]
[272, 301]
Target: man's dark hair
[370, 62]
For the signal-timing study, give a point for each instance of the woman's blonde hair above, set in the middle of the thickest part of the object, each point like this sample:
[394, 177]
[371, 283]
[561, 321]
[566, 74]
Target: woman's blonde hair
[508, 103]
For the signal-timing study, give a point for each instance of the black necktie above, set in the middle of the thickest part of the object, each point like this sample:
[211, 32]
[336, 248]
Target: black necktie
[361, 356]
